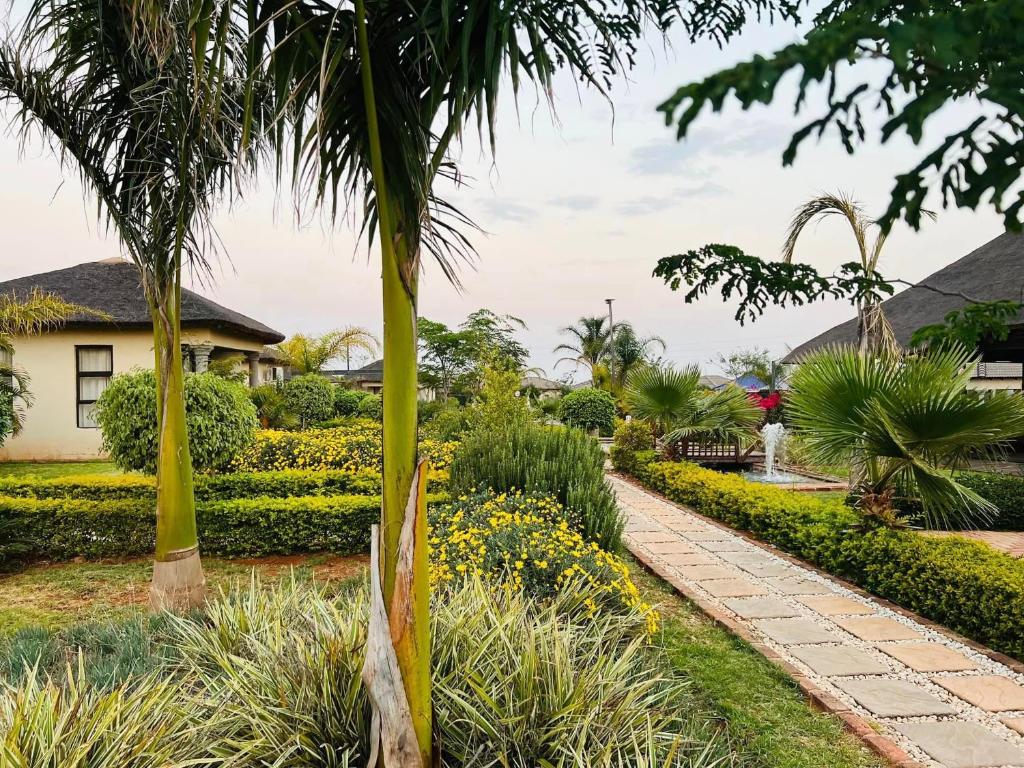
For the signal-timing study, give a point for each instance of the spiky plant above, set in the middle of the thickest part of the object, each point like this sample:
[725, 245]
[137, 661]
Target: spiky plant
[905, 425]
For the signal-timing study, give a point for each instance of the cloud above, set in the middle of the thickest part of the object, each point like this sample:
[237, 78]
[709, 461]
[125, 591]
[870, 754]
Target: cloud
[707, 189]
[507, 210]
[576, 202]
[667, 156]
[641, 206]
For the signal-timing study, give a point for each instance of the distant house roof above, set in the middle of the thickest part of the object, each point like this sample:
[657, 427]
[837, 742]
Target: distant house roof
[989, 273]
[539, 382]
[750, 382]
[112, 286]
[370, 372]
[714, 381]
[998, 370]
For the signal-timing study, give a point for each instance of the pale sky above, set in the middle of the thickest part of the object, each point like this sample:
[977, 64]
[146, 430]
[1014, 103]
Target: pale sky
[575, 211]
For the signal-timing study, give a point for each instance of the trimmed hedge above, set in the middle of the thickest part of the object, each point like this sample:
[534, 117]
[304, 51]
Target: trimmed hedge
[965, 585]
[237, 485]
[63, 529]
[1005, 491]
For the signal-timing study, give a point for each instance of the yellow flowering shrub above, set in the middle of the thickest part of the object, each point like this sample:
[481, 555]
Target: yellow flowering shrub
[353, 447]
[528, 542]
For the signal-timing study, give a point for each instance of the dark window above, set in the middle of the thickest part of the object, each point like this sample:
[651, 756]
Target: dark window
[94, 365]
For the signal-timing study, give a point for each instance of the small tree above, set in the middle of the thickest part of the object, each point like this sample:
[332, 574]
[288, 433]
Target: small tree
[588, 409]
[310, 397]
[346, 401]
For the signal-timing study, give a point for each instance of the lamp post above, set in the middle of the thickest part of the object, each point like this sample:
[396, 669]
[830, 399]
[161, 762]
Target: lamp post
[611, 341]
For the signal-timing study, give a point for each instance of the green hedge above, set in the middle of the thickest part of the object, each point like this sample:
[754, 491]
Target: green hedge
[1005, 491]
[63, 529]
[237, 485]
[965, 585]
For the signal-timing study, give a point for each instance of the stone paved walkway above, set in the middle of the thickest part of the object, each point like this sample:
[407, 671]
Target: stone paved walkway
[1010, 542]
[944, 703]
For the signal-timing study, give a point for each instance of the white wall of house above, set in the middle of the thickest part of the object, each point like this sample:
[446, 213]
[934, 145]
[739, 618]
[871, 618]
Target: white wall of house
[53, 425]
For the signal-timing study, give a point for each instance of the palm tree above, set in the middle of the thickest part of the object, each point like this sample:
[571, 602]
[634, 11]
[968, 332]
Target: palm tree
[674, 402]
[873, 329]
[37, 312]
[588, 345]
[310, 354]
[630, 351]
[380, 94]
[142, 102]
[904, 426]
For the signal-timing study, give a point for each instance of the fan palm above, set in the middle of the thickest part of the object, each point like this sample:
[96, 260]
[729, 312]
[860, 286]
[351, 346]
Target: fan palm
[905, 426]
[588, 345]
[310, 354]
[141, 101]
[874, 332]
[380, 93]
[679, 408]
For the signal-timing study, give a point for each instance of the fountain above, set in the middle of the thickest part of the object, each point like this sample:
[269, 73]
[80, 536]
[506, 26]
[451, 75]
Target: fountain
[773, 435]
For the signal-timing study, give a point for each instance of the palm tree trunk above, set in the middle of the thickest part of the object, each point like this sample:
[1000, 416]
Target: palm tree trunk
[178, 581]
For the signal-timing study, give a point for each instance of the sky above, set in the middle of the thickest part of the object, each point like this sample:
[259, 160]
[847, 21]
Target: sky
[576, 207]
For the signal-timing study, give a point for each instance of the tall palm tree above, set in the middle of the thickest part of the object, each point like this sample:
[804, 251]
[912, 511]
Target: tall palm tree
[874, 332]
[674, 402]
[37, 312]
[310, 354]
[904, 425]
[142, 102]
[588, 345]
[630, 351]
[380, 93]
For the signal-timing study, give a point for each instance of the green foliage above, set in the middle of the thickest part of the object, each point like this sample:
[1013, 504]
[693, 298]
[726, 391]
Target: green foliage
[962, 584]
[498, 406]
[220, 417]
[970, 325]
[588, 344]
[310, 397]
[346, 401]
[565, 463]
[272, 409]
[588, 409]
[1005, 492]
[446, 421]
[310, 354]
[630, 438]
[371, 407]
[231, 368]
[931, 55]
[903, 424]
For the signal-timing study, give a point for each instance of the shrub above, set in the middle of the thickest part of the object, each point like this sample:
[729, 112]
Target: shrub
[310, 397]
[221, 420]
[371, 407]
[346, 401]
[449, 423]
[588, 409]
[631, 437]
[1005, 491]
[963, 584]
[498, 405]
[530, 543]
[272, 409]
[548, 460]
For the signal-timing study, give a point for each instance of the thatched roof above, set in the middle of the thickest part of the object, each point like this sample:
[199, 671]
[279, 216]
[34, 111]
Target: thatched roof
[992, 272]
[112, 286]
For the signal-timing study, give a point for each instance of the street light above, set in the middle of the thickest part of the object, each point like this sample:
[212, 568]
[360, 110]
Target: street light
[611, 340]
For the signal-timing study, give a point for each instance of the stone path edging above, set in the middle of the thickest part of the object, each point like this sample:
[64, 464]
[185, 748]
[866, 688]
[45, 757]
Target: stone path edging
[919, 707]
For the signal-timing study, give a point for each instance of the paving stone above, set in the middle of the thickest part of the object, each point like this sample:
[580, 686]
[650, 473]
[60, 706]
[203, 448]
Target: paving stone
[652, 536]
[712, 534]
[765, 570]
[878, 628]
[799, 586]
[733, 588]
[1014, 723]
[962, 745]
[835, 605]
[992, 693]
[893, 698]
[707, 572]
[838, 660]
[760, 608]
[724, 545]
[679, 559]
[747, 557]
[796, 631]
[928, 657]
[676, 546]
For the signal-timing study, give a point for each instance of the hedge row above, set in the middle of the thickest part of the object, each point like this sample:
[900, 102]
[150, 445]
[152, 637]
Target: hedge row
[63, 529]
[964, 585]
[1005, 491]
[236, 485]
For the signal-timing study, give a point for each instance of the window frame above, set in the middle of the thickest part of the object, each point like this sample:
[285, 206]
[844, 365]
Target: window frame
[80, 374]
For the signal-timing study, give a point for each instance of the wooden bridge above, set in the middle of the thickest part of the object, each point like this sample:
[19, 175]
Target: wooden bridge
[716, 453]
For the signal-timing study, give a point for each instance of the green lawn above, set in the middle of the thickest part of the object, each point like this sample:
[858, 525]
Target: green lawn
[767, 716]
[57, 468]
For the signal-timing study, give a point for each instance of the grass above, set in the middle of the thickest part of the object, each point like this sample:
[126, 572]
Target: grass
[57, 468]
[767, 717]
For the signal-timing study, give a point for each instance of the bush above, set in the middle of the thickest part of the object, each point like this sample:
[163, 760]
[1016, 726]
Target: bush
[310, 397]
[272, 410]
[630, 438]
[546, 460]
[63, 529]
[220, 418]
[528, 543]
[963, 584]
[588, 409]
[1005, 491]
[371, 407]
[448, 423]
[346, 401]
[498, 406]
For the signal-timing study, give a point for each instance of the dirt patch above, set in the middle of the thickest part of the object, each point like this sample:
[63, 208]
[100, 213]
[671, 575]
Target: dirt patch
[324, 567]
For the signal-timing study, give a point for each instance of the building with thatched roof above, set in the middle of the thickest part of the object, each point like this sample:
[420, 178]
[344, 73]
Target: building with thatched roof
[993, 272]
